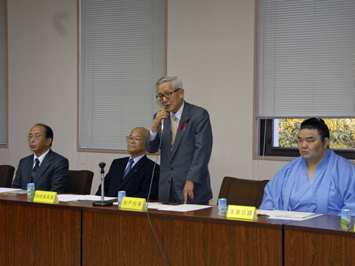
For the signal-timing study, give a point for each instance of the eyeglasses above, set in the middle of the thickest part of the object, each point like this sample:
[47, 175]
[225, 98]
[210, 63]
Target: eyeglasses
[130, 138]
[37, 136]
[167, 95]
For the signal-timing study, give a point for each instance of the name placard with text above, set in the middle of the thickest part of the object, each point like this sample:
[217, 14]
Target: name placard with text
[241, 212]
[133, 204]
[46, 197]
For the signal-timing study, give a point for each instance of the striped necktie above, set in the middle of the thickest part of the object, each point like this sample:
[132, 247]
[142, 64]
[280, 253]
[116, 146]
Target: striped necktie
[173, 130]
[128, 168]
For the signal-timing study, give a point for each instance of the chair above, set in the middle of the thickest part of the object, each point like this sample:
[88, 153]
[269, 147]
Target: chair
[6, 175]
[243, 192]
[79, 182]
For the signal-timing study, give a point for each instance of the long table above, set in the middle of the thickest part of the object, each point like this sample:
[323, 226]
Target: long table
[77, 233]
[39, 234]
[319, 241]
[112, 237]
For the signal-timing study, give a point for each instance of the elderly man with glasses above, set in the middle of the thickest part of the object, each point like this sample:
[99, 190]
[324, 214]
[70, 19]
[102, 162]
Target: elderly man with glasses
[46, 169]
[133, 174]
[183, 133]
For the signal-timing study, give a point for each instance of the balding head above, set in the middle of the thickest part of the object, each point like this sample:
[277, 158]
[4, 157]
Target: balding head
[135, 145]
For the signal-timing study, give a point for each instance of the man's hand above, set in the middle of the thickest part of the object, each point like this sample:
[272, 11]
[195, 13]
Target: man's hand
[161, 114]
[188, 190]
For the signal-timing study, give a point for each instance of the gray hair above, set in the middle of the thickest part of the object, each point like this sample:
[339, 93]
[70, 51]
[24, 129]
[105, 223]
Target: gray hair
[175, 82]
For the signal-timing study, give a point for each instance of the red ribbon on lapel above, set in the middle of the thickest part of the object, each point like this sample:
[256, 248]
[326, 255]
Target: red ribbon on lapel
[182, 127]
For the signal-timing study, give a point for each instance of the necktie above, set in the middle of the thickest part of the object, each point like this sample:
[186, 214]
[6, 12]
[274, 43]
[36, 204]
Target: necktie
[34, 170]
[173, 130]
[128, 168]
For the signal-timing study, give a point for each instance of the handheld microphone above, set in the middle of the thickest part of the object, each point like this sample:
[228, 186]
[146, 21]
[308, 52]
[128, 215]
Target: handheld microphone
[162, 121]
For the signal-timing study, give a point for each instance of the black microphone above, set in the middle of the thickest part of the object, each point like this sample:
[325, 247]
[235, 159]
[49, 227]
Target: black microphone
[102, 166]
[102, 202]
[162, 121]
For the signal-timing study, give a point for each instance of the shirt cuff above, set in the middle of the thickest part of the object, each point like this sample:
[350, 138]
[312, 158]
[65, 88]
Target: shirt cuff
[153, 135]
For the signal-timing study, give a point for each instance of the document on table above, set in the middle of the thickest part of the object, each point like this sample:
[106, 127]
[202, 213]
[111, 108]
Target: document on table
[176, 207]
[9, 190]
[287, 215]
[74, 197]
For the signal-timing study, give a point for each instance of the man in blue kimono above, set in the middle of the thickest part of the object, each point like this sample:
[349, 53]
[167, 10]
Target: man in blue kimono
[318, 181]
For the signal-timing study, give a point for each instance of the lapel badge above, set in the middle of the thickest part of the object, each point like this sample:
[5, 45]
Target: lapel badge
[182, 127]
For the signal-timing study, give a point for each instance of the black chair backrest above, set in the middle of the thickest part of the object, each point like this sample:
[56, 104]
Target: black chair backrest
[6, 175]
[243, 192]
[79, 182]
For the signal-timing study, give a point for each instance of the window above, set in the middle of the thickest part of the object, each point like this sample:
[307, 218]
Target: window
[3, 75]
[122, 55]
[306, 66]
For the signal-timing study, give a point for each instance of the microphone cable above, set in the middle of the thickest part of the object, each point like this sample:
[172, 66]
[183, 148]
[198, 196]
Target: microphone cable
[150, 187]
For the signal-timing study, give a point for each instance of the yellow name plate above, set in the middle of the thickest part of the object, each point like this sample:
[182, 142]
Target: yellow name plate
[241, 212]
[46, 197]
[133, 204]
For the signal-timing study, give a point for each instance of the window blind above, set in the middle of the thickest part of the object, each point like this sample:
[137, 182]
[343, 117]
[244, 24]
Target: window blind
[306, 59]
[122, 55]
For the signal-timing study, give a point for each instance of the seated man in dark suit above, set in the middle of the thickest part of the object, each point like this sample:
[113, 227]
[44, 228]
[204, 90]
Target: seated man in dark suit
[47, 169]
[132, 174]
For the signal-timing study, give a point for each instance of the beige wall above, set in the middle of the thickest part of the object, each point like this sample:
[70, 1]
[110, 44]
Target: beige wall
[210, 47]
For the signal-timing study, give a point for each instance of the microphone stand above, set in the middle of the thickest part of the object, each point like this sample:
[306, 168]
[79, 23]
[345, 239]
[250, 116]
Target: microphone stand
[102, 202]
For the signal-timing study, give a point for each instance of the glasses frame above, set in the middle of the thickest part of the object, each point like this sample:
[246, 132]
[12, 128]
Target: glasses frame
[129, 138]
[167, 95]
[36, 137]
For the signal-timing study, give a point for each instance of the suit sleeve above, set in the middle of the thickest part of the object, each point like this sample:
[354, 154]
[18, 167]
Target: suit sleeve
[18, 177]
[203, 149]
[60, 175]
[144, 190]
[152, 146]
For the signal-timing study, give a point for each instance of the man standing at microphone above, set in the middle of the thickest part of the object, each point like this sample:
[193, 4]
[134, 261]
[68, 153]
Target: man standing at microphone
[185, 136]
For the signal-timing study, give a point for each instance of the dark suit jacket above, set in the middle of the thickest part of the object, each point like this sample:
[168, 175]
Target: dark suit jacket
[189, 157]
[52, 175]
[136, 183]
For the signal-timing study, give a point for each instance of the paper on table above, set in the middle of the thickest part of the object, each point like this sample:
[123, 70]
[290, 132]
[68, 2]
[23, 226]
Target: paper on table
[174, 207]
[183, 207]
[288, 215]
[6, 189]
[154, 205]
[74, 197]
[17, 192]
